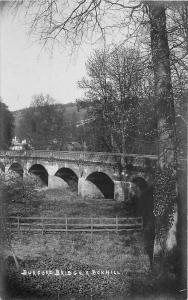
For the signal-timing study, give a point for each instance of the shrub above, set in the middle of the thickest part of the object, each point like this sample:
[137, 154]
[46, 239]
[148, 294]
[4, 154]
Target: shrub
[164, 201]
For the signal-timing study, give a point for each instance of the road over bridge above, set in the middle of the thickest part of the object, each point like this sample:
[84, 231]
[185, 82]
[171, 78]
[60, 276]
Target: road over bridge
[93, 174]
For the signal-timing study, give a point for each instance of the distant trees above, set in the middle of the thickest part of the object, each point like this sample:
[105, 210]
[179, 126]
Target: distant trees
[43, 124]
[6, 126]
[49, 125]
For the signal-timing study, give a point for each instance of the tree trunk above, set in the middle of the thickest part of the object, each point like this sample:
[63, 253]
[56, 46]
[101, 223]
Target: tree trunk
[163, 86]
[166, 126]
[164, 98]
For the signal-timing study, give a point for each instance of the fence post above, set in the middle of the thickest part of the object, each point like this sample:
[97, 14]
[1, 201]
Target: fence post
[42, 226]
[18, 221]
[91, 227]
[116, 224]
[142, 225]
[66, 224]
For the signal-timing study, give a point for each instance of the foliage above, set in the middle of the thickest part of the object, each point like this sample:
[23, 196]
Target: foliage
[95, 135]
[43, 125]
[20, 198]
[164, 200]
[72, 137]
[6, 126]
[17, 199]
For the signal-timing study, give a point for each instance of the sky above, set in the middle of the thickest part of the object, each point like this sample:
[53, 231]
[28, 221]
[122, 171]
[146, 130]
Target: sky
[27, 70]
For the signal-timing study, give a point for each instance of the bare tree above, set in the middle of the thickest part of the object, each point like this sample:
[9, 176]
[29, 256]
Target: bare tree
[75, 21]
[177, 29]
[116, 90]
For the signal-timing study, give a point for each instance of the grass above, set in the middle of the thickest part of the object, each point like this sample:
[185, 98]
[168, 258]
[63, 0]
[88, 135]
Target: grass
[81, 251]
[66, 203]
[106, 249]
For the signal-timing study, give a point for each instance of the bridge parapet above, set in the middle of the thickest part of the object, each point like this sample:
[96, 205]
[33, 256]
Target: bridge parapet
[100, 157]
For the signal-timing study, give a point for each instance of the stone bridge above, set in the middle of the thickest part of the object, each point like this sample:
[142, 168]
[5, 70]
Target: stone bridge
[93, 174]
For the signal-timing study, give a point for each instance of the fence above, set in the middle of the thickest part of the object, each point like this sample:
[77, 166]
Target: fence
[59, 224]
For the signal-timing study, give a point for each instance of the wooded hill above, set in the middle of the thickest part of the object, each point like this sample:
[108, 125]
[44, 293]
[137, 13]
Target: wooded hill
[69, 110]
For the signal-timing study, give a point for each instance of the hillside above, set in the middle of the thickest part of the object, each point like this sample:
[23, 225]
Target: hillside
[70, 112]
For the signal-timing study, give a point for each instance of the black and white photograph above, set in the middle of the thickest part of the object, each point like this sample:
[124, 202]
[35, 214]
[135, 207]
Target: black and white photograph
[93, 149]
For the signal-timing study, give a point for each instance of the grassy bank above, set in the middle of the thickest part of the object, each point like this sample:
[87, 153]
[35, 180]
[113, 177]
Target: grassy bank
[78, 253]
[66, 203]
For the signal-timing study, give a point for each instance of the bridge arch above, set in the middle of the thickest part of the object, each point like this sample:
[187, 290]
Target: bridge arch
[69, 176]
[39, 171]
[17, 168]
[103, 182]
